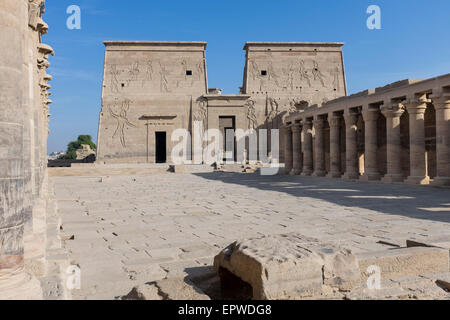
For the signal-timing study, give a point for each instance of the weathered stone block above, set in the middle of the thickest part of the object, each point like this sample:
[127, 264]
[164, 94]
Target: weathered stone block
[405, 262]
[288, 266]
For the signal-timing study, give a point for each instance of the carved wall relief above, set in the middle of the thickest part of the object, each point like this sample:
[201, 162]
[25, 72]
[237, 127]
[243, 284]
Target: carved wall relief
[318, 75]
[304, 76]
[122, 120]
[164, 82]
[251, 115]
[201, 113]
[114, 79]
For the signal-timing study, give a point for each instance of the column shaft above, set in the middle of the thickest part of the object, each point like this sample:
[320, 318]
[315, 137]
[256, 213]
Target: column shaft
[370, 116]
[335, 146]
[351, 148]
[394, 165]
[297, 149]
[418, 165]
[319, 148]
[307, 149]
[442, 107]
[288, 161]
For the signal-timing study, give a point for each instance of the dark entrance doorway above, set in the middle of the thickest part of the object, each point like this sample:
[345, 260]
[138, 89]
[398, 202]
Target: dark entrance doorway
[160, 147]
[229, 141]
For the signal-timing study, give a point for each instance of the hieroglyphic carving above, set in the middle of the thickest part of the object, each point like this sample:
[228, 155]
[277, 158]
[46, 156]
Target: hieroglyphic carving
[251, 115]
[272, 74]
[336, 82]
[254, 70]
[164, 83]
[114, 79]
[304, 76]
[199, 67]
[318, 74]
[122, 120]
[134, 72]
[148, 72]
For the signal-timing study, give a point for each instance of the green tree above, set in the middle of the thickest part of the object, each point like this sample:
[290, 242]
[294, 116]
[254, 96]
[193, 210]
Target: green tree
[73, 146]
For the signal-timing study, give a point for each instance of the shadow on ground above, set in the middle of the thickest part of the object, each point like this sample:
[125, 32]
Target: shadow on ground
[420, 202]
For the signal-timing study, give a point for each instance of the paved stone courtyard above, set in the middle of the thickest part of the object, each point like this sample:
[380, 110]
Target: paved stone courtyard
[127, 230]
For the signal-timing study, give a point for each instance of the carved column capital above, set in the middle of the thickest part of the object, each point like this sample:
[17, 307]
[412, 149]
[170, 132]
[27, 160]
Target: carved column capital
[334, 121]
[319, 123]
[297, 127]
[394, 110]
[350, 117]
[371, 114]
[416, 106]
[441, 101]
[307, 124]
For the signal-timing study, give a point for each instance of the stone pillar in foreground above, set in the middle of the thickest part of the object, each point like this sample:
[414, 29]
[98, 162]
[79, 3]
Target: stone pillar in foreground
[351, 152]
[319, 148]
[15, 283]
[307, 148]
[297, 149]
[442, 106]
[335, 146]
[371, 172]
[394, 165]
[418, 164]
[288, 149]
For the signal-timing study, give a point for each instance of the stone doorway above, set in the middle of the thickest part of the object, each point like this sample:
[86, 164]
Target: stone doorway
[227, 126]
[161, 147]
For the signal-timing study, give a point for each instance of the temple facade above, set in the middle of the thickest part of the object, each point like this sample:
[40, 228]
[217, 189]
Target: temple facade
[151, 89]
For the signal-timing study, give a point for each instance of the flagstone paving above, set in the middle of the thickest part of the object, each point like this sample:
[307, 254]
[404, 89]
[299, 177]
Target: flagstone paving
[128, 230]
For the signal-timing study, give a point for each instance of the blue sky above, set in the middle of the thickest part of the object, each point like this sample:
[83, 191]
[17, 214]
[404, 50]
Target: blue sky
[413, 43]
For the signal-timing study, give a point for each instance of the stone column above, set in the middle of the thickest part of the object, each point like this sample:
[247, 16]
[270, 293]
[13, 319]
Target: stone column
[288, 149]
[319, 148]
[297, 149]
[394, 165]
[442, 106]
[416, 110]
[307, 148]
[351, 148]
[14, 282]
[371, 172]
[335, 146]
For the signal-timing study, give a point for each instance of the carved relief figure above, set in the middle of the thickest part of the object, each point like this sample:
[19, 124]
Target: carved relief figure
[199, 68]
[251, 115]
[134, 72]
[272, 109]
[336, 82]
[164, 85]
[304, 76]
[254, 70]
[148, 72]
[114, 79]
[290, 77]
[318, 74]
[122, 121]
[201, 113]
[272, 74]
